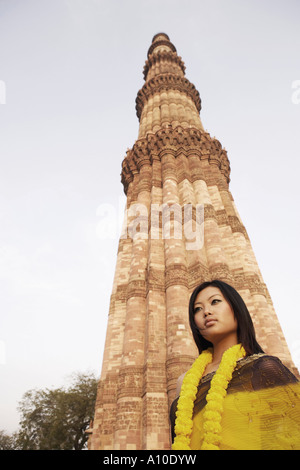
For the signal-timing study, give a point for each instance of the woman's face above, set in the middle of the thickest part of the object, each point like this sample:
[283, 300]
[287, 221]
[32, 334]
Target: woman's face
[214, 316]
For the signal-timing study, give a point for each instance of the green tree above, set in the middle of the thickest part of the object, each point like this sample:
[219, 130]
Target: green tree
[7, 441]
[57, 419]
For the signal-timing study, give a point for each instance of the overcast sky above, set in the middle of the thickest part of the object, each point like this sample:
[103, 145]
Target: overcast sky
[70, 71]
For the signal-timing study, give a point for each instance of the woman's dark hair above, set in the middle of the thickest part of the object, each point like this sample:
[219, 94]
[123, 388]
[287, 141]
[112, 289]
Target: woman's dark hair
[245, 331]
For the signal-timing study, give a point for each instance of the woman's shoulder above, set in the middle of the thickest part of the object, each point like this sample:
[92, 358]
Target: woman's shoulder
[268, 371]
[269, 364]
[262, 361]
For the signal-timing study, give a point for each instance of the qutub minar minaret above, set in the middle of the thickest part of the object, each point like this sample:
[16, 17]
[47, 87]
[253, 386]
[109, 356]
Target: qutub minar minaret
[173, 164]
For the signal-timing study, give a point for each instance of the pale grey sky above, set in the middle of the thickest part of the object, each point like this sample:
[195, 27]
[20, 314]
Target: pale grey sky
[72, 69]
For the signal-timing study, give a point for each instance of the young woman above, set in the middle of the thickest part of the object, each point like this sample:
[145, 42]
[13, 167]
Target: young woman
[234, 397]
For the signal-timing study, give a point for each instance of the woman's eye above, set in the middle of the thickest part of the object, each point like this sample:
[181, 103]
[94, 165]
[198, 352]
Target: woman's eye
[197, 309]
[215, 301]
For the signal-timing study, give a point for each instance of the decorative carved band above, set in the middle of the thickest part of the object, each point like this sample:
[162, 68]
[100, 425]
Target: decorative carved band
[176, 275]
[221, 271]
[222, 217]
[166, 82]
[161, 56]
[190, 141]
[209, 212]
[161, 42]
[130, 383]
[175, 365]
[237, 226]
[155, 279]
[232, 220]
[136, 288]
[251, 282]
[199, 273]
[191, 277]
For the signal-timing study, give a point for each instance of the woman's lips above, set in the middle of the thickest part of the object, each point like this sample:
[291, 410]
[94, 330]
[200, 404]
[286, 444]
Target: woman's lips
[210, 322]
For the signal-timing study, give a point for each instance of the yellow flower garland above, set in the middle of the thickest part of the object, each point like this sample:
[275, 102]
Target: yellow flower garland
[215, 397]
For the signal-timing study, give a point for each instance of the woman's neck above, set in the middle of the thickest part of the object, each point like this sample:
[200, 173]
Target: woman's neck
[218, 350]
[221, 346]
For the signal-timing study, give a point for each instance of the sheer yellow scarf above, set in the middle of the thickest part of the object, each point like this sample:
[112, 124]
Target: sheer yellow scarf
[267, 419]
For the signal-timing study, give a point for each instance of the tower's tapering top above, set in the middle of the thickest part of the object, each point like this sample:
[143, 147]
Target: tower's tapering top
[161, 42]
[155, 37]
[162, 57]
[165, 83]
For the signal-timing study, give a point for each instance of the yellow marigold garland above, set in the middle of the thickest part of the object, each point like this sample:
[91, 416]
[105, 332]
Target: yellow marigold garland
[215, 397]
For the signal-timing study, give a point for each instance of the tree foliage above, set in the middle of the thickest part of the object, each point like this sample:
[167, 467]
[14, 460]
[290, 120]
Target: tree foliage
[57, 419]
[7, 441]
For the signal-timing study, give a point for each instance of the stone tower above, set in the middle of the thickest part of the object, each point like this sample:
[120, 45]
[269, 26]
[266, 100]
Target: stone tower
[174, 165]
